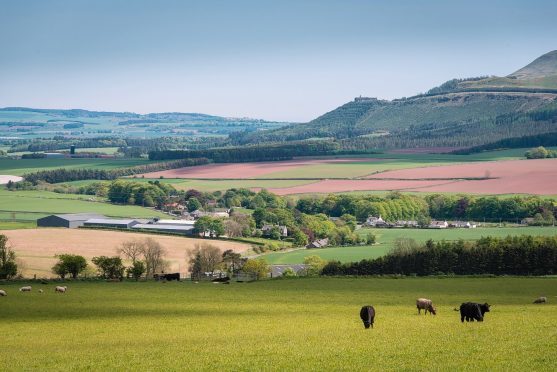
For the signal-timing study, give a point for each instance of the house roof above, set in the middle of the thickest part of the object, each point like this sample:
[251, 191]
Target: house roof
[175, 222]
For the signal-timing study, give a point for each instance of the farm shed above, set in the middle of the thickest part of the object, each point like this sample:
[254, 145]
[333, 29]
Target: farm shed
[111, 223]
[72, 221]
[174, 229]
[278, 270]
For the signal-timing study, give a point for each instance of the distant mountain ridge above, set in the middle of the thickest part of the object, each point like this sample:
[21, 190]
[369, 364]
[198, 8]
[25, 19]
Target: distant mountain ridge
[459, 113]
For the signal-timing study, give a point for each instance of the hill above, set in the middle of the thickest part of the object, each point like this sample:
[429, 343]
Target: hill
[23, 122]
[459, 113]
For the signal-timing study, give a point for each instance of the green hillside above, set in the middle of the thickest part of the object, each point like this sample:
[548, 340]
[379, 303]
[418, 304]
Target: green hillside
[459, 113]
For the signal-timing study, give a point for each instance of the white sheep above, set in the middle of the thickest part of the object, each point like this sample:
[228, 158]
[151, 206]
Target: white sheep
[60, 289]
[3, 293]
[25, 289]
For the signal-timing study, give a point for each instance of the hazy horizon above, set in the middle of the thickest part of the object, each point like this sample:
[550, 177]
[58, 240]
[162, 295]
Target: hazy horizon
[287, 61]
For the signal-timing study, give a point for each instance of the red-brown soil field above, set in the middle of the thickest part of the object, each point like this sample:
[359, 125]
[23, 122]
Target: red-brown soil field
[505, 177]
[244, 170]
[37, 247]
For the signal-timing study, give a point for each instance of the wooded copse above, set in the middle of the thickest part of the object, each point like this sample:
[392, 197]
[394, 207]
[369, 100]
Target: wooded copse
[513, 255]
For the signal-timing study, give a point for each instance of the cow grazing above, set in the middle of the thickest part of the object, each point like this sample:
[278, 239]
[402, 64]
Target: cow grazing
[25, 289]
[59, 289]
[367, 314]
[540, 300]
[473, 311]
[169, 277]
[3, 293]
[41, 291]
[426, 305]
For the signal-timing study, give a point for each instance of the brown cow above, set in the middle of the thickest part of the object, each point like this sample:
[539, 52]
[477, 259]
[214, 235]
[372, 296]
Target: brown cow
[426, 305]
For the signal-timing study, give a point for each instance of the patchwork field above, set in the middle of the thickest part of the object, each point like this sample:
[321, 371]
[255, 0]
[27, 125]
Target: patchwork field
[19, 167]
[304, 324]
[30, 205]
[386, 239]
[37, 247]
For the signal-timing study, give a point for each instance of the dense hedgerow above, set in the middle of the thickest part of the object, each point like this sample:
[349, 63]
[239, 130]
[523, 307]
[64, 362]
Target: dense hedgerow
[513, 255]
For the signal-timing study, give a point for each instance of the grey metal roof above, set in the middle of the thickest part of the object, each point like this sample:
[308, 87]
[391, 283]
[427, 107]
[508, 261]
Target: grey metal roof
[79, 216]
[110, 221]
[163, 227]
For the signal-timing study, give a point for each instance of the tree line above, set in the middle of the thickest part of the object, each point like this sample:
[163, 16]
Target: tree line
[270, 152]
[513, 255]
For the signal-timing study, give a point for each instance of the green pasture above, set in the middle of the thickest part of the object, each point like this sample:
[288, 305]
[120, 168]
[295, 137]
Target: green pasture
[298, 324]
[13, 225]
[221, 185]
[386, 241]
[40, 203]
[18, 167]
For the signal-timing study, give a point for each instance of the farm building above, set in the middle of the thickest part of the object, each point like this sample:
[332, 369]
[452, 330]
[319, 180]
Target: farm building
[72, 221]
[318, 243]
[375, 221]
[438, 225]
[174, 229]
[462, 225]
[278, 270]
[266, 230]
[111, 223]
[174, 222]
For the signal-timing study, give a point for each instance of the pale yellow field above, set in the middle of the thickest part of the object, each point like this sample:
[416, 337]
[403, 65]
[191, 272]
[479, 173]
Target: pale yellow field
[36, 248]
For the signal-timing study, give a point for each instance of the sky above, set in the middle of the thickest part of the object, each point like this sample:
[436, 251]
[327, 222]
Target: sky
[276, 60]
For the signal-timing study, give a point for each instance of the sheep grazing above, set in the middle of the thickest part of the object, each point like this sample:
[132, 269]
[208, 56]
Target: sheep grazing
[3, 293]
[426, 305]
[540, 300]
[60, 289]
[25, 289]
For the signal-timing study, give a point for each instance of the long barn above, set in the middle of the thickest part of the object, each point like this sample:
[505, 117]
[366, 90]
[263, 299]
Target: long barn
[71, 220]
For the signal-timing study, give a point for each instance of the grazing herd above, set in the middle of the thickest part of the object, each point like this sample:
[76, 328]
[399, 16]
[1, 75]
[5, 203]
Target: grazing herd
[469, 311]
[28, 288]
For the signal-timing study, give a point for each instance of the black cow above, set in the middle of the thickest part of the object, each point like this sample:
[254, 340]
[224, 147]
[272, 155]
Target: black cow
[367, 314]
[473, 311]
[169, 277]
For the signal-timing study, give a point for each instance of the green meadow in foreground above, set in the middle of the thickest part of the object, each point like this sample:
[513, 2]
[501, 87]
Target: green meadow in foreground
[299, 324]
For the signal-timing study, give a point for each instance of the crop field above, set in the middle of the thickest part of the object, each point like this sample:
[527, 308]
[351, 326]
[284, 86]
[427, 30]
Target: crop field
[298, 324]
[37, 204]
[386, 239]
[18, 167]
[37, 247]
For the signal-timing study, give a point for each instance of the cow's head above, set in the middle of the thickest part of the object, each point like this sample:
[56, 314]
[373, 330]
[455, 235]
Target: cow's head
[432, 309]
[485, 307]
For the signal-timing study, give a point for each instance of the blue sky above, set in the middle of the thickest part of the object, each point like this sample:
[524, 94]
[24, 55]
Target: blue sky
[277, 60]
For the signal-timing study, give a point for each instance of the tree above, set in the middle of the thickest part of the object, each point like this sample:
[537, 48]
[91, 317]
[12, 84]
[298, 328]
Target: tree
[370, 239]
[136, 270]
[258, 267]
[289, 273]
[8, 265]
[193, 204]
[232, 260]
[69, 264]
[217, 228]
[299, 238]
[204, 258]
[202, 225]
[314, 264]
[109, 267]
[132, 249]
[153, 255]
[423, 220]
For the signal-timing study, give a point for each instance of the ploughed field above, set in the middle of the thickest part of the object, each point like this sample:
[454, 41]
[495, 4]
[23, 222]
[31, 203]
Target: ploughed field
[37, 247]
[299, 324]
[486, 173]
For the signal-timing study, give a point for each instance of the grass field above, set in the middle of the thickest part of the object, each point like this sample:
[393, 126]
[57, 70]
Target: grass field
[18, 167]
[387, 237]
[300, 324]
[37, 204]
